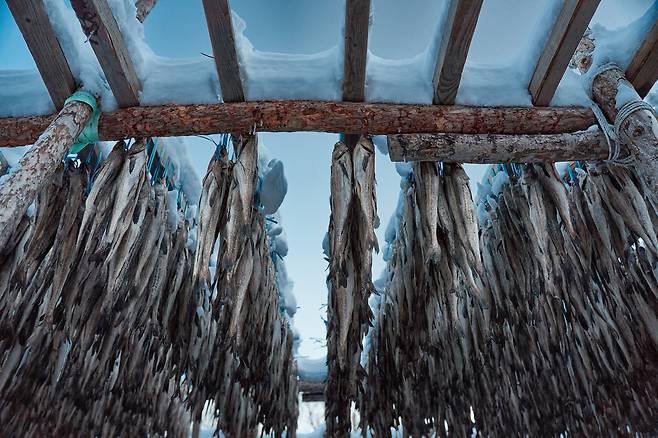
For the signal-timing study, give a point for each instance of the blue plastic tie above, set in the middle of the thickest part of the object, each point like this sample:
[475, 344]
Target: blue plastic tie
[89, 134]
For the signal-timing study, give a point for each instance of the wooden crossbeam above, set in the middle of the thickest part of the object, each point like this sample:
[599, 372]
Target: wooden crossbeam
[34, 24]
[490, 148]
[311, 390]
[458, 33]
[642, 72]
[357, 17]
[144, 8]
[222, 39]
[318, 116]
[105, 38]
[569, 28]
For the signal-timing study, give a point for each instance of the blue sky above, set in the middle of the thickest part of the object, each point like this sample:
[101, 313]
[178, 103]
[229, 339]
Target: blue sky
[400, 29]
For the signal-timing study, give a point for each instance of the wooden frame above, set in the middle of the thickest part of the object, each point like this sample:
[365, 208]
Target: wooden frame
[34, 24]
[459, 29]
[101, 28]
[563, 40]
[642, 72]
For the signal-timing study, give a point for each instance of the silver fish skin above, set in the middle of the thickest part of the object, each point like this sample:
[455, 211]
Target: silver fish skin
[427, 182]
[363, 159]
[341, 199]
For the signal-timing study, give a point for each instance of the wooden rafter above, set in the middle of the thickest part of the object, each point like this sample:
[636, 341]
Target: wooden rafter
[642, 72]
[490, 148]
[105, 38]
[222, 39]
[144, 8]
[357, 17]
[458, 33]
[569, 28]
[33, 22]
[299, 115]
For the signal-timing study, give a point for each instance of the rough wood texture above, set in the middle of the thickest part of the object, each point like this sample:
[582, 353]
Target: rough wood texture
[459, 28]
[105, 38]
[357, 17]
[38, 164]
[144, 8]
[638, 133]
[311, 391]
[642, 72]
[220, 29]
[489, 148]
[569, 28]
[298, 115]
[33, 22]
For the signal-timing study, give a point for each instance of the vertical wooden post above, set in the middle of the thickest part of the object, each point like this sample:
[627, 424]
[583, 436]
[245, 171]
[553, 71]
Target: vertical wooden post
[639, 131]
[38, 165]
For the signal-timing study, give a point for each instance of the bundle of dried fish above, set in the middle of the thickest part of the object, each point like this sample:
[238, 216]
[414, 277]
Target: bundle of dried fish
[87, 351]
[430, 323]
[241, 343]
[351, 241]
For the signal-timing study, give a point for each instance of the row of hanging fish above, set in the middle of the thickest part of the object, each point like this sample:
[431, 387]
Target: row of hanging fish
[242, 344]
[547, 324]
[430, 318]
[102, 327]
[351, 242]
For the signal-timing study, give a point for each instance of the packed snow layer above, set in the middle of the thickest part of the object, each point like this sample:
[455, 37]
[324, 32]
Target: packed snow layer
[317, 76]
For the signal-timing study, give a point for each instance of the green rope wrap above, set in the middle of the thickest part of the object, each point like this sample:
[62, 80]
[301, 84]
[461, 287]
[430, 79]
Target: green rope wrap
[89, 133]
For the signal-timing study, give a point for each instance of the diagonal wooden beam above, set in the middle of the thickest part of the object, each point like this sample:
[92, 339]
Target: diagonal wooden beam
[357, 18]
[144, 8]
[222, 39]
[105, 38]
[642, 72]
[457, 35]
[298, 115]
[34, 24]
[569, 28]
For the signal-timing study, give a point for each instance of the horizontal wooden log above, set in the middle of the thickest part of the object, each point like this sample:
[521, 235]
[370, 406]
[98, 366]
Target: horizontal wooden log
[311, 391]
[490, 148]
[298, 115]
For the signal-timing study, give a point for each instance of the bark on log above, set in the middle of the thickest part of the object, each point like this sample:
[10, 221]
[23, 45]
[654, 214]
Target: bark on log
[299, 115]
[489, 148]
[38, 164]
[639, 132]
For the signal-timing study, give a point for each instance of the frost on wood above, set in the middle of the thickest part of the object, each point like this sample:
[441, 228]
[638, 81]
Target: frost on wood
[38, 165]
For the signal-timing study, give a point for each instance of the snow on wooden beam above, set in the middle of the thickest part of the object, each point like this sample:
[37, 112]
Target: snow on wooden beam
[222, 38]
[144, 8]
[34, 24]
[459, 28]
[318, 116]
[567, 32]
[642, 72]
[490, 148]
[357, 17]
[105, 38]
[38, 165]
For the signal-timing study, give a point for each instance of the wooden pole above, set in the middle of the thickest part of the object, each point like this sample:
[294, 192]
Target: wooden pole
[639, 131]
[38, 165]
[299, 115]
[488, 148]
